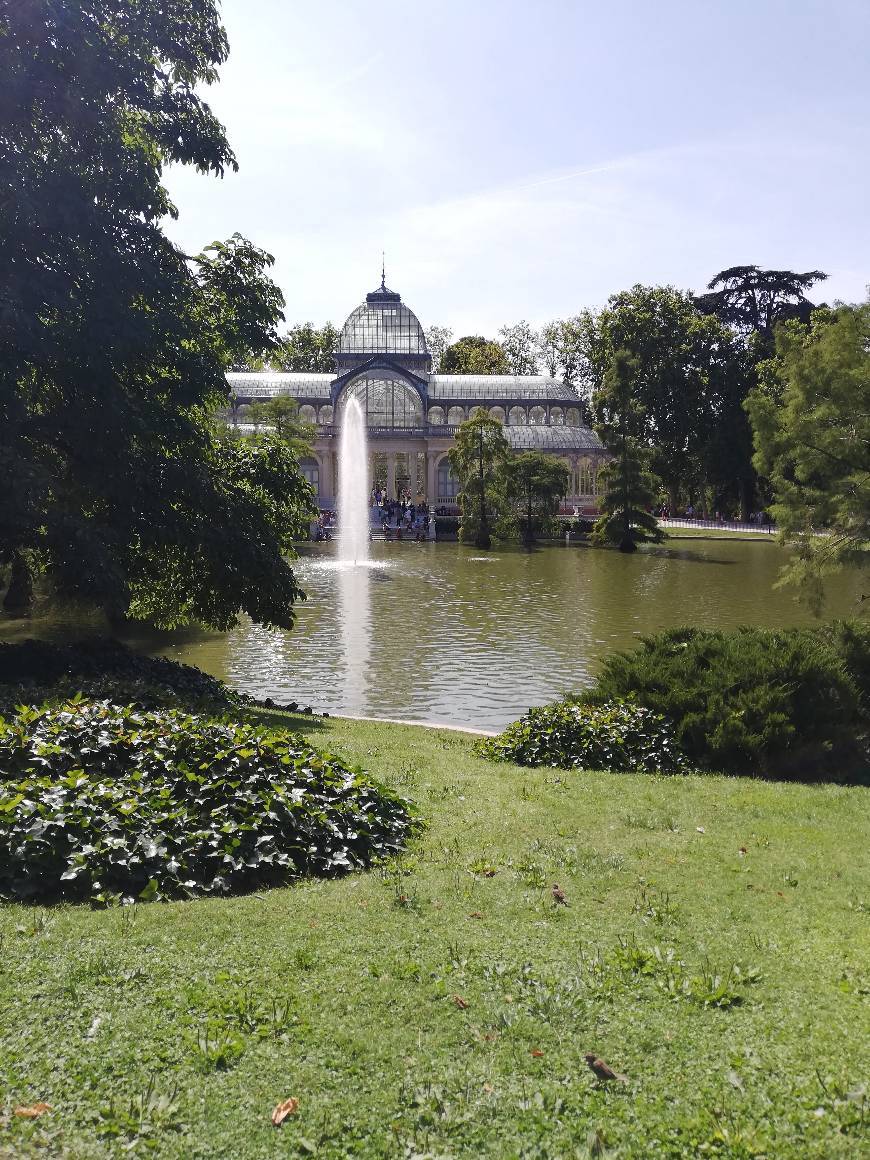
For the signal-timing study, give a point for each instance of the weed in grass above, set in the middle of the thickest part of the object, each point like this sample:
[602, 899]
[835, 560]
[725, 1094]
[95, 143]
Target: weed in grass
[217, 1047]
[38, 925]
[654, 905]
[406, 899]
[127, 920]
[141, 1117]
[304, 958]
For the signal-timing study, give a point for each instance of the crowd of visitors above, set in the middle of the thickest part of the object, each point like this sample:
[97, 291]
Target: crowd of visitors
[402, 518]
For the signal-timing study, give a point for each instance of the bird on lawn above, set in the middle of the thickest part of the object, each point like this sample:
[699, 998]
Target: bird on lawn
[601, 1070]
[559, 896]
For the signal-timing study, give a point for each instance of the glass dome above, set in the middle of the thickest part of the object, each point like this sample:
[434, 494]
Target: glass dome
[382, 325]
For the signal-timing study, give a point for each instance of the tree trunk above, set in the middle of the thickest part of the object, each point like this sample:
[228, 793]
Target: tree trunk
[673, 496]
[18, 600]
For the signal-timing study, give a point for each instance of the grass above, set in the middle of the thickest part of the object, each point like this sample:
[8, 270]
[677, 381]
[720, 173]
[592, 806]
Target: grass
[714, 950]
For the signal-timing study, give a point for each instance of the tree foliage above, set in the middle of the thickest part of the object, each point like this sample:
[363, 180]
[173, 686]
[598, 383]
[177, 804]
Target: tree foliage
[562, 347]
[307, 348]
[756, 301]
[689, 382]
[629, 495]
[437, 340]
[476, 460]
[811, 420]
[282, 414]
[534, 484]
[474, 355]
[521, 346]
[113, 343]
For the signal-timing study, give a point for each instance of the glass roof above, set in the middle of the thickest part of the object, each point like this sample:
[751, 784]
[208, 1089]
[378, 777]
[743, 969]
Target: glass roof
[382, 325]
[519, 387]
[543, 438]
[266, 384]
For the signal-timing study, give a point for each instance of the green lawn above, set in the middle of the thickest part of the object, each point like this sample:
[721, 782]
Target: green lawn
[714, 949]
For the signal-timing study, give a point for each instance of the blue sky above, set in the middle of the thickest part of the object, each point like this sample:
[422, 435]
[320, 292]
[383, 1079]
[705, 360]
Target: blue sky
[527, 159]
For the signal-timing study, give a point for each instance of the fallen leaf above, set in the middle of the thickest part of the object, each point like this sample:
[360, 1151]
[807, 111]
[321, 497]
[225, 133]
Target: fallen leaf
[460, 1002]
[438, 905]
[475, 914]
[33, 1111]
[283, 1110]
[489, 873]
[363, 902]
[536, 1052]
[487, 1087]
[700, 829]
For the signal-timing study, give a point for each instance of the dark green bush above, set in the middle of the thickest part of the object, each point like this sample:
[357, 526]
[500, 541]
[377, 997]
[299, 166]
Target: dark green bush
[102, 802]
[447, 525]
[787, 704]
[101, 667]
[615, 735]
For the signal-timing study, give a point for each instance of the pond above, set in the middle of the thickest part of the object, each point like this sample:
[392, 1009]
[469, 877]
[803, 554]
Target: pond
[444, 633]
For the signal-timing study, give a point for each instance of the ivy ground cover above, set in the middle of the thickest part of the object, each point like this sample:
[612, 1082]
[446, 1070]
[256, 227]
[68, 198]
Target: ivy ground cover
[713, 949]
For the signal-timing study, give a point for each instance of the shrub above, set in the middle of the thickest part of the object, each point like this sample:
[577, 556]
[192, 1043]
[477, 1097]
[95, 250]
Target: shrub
[101, 667]
[102, 802]
[789, 703]
[615, 735]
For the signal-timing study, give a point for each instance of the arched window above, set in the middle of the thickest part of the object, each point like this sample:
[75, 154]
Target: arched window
[557, 417]
[311, 470]
[325, 415]
[307, 414]
[436, 416]
[537, 416]
[517, 417]
[387, 398]
[498, 414]
[455, 416]
[573, 416]
[447, 483]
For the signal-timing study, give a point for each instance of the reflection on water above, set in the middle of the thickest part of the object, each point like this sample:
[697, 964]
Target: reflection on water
[436, 632]
[353, 609]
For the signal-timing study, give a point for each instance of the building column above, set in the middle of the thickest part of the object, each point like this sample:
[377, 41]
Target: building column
[391, 475]
[430, 478]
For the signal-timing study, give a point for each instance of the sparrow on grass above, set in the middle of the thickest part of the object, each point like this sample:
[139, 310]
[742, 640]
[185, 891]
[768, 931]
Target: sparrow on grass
[559, 896]
[601, 1070]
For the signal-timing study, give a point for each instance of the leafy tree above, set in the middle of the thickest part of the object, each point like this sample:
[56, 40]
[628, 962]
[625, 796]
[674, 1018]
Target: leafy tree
[685, 370]
[114, 344]
[282, 413]
[811, 420]
[562, 348]
[625, 518]
[438, 339]
[305, 348]
[534, 484]
[476, 460]
[548, 347]
[474, 355]
[520, 344]
[755, 301]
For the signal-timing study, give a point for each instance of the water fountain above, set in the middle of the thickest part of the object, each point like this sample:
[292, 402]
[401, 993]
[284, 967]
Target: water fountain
[353, 486]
